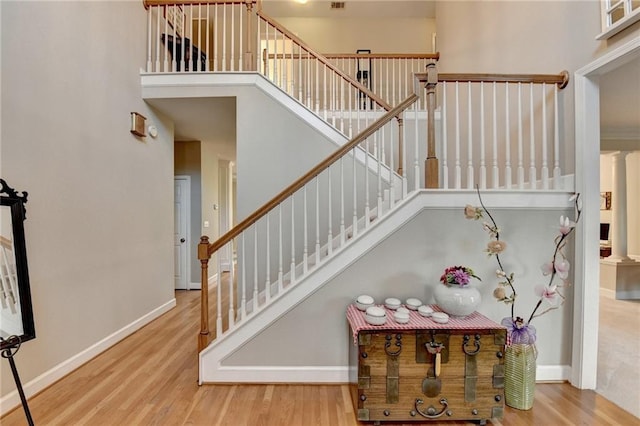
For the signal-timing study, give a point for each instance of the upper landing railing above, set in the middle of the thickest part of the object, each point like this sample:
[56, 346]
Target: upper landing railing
[491, 130]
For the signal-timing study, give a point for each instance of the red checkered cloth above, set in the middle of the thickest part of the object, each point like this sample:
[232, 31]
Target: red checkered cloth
[417, 322]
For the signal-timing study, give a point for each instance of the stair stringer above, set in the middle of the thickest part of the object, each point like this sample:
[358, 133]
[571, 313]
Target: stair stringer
[221, 84]
[211, 368]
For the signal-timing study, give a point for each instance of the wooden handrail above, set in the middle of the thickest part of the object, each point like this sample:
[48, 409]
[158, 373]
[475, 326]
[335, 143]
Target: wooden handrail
[6, 243]
[561, 79]
[432, 56]
[306, 178]
[325, 61]
[148, 3]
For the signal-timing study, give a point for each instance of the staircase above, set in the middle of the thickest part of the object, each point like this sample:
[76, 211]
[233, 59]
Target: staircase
[362, 194]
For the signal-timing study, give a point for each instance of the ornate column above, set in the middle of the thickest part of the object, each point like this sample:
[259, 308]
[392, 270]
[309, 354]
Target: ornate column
[619, 207]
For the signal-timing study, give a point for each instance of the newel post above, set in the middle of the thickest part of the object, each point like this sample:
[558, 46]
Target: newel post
[431, 172]
[249, 63]
[203, 255]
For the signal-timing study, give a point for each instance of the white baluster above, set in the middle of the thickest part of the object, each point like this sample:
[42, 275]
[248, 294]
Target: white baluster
[292, 273]
[218, 299]
[507, 148]
[458, 183]
[267, 50]
[532, 142]
[445, 137]
[216, 37]
[232, 66]
[309, 83]
[240, 39]
[545, 165]
[366, 182]
[243, 261]
[255, 267]
[377, 140]
[149, 26]
[166, 31]
[416, 151]
[329, 215]
[267, 283]
[520, 161]
[556, 141]
[325, 90]
[470, 183]
[317, 94]
[392, 187]
[342, 226]
[158, 44]
[208, 63]
[317, 221]
[280, 259]
[199, 66]
[224, 37]
[305, 234]
[495, 179]
[232, 312]
[387, 79]
[483, 165]
[276, 65]
[299, 78]
[354, 230]
[393, 81]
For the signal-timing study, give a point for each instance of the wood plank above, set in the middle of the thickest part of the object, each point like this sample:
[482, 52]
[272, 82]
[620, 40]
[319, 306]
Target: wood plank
[150, 378]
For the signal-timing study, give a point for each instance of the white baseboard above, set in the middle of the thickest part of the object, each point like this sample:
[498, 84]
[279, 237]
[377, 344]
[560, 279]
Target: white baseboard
[336, 374]
[12, 399]
[607, 292]
[553, 373]
[198, 286]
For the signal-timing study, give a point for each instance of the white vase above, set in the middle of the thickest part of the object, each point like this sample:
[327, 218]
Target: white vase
[457, 301]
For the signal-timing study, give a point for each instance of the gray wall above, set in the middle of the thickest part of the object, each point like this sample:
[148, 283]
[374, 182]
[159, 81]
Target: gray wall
[409, 264]
[521, 37]
[100, 210]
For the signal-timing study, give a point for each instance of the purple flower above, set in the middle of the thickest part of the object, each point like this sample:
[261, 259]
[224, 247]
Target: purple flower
[461, 277]
[457, 275]
[520, 333]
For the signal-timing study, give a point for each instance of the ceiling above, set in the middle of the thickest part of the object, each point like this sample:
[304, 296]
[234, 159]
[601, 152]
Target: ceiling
[619, 89]
[352, 9]
[620, 102]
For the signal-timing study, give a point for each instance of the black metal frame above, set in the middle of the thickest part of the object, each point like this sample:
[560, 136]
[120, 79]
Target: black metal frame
[16, 202]
[9, 346]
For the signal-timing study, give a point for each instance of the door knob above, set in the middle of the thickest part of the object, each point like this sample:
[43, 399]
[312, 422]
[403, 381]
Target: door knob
[182, 240]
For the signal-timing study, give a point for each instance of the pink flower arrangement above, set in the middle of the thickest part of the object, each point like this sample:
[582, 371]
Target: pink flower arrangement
[457, 275]
[522, 331]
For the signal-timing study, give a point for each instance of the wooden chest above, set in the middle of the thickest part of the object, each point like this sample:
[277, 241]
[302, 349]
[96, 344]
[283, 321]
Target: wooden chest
[425, 371]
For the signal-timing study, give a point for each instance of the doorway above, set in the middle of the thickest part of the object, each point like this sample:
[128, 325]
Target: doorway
[586, 298]
[182, 202]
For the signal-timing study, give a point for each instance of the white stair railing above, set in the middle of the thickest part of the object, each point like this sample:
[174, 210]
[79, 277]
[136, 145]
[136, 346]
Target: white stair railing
[306, 224]
[389, 75]
[10, 313]
[500, 131]
[306, 75]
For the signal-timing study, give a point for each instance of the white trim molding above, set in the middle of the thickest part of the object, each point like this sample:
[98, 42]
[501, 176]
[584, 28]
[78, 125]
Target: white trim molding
[12, 399]
[335, 374]
[584, 363]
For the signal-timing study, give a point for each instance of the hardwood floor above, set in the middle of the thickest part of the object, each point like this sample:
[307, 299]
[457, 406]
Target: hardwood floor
[150, 378]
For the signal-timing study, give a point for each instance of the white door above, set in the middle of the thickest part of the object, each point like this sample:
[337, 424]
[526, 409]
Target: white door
[180, 233]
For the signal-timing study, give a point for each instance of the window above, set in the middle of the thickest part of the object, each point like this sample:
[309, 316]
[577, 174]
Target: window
[618, 15]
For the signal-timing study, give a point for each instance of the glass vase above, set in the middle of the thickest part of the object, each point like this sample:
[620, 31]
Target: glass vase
[520, 375]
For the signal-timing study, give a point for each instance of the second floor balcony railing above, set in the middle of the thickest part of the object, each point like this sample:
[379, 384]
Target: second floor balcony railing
[490, 130]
